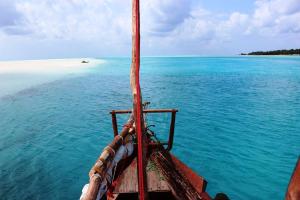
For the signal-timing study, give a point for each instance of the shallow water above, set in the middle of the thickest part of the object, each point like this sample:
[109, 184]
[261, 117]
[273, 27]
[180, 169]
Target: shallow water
[238, 124]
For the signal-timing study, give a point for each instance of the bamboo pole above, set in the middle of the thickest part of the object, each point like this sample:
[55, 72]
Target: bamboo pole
[98, 171]
[137, 101]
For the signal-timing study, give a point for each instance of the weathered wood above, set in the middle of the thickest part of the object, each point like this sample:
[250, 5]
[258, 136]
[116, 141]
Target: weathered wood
[128, 181]
[172, 128]
[293, 191]
[172, 124]
[137, 101]
[108, 153]
[114, 122]
[196, 181]
[95, 182]
[181, 187]
[98, 171]
[145, 111]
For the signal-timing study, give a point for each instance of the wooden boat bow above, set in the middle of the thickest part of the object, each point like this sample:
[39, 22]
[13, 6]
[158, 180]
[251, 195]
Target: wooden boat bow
[122, 169]
[135, 165]
[293, 191]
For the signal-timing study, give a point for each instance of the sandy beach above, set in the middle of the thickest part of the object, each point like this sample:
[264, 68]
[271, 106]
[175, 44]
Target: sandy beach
[16, 76]
[50, 66]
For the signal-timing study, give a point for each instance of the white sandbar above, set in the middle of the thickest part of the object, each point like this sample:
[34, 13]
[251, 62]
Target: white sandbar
[16, 76]
[59, 66]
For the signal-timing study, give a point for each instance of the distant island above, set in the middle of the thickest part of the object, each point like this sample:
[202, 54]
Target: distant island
[276, 52]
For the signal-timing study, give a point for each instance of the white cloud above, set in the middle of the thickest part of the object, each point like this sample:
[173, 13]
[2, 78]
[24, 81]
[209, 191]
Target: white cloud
[8, 14]
[160, 17]
[275, 17]
[168, 25]
[111, 20]
[203, 26]
[235, 24]
[75, 19]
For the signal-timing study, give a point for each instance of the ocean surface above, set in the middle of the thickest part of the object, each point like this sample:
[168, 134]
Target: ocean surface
[238, 124]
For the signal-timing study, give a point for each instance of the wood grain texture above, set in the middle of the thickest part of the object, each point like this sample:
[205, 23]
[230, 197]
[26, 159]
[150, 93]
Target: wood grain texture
[196, 181]
[128, 181]
[180, 185]
[293, 192]
[99, 169]
[137, 101]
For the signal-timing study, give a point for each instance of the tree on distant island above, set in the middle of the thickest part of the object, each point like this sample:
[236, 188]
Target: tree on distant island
[276, 52]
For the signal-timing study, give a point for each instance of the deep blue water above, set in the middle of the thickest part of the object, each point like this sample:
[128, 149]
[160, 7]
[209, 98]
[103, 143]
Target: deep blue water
[238, 124]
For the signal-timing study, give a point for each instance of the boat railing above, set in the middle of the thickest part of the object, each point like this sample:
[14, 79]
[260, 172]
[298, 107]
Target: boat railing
[173, 112]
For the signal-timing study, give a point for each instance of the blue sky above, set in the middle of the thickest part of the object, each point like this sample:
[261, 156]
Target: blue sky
[34, 29]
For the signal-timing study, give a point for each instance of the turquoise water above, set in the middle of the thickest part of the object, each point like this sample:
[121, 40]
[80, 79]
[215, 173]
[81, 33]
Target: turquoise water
[238, 124]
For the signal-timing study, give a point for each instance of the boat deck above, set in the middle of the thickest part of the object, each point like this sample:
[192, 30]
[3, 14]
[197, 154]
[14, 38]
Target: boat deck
[128, 180]
[160, 182]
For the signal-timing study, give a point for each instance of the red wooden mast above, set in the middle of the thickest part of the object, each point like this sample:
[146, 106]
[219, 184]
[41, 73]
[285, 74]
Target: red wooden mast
[137, 102]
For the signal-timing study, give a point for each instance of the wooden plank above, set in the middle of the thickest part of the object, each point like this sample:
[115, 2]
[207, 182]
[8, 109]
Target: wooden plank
[196, 181]
[128, 182]
[293, 192]
[180, 185]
